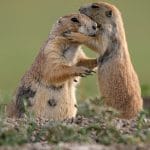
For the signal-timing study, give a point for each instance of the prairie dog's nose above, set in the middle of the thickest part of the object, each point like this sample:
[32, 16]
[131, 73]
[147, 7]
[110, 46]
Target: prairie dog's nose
[94, 26]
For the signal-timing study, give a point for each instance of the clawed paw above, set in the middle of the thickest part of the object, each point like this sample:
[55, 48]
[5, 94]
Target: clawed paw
[87, 73]
[73, 36]
[66, 33]
[83, 72]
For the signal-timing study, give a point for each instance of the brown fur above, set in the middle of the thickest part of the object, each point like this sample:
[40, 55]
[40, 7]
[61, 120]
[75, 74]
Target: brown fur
[118, 81]
[48, 87]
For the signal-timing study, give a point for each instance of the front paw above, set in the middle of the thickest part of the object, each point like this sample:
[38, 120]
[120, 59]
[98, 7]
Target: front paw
[83, 71]
[73, 36]
[66, 33]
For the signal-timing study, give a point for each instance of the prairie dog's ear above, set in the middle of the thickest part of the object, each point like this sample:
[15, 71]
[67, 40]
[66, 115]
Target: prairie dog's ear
[59, 20]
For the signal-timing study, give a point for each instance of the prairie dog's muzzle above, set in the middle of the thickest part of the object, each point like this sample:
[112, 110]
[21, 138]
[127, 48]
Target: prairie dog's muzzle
[90, 28]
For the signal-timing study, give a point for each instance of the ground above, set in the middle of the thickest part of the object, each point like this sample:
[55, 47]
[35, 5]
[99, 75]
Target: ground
[95, 127]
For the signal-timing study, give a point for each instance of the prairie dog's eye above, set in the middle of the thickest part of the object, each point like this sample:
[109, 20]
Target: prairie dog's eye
[75, 20]
[94, 6]
[108, 13]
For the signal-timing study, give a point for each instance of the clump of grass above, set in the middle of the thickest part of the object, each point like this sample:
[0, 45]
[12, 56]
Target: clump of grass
[94, 124]
[66, 133]
[95, 107]
[12, 136]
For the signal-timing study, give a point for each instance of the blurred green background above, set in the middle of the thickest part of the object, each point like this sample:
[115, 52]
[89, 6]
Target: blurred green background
[25, 24]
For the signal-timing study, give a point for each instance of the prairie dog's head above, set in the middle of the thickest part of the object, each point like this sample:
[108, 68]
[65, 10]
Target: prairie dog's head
[76, 23]
[105, 15]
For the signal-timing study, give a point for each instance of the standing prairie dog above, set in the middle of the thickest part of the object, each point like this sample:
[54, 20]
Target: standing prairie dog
[48, 87]
[118, 81]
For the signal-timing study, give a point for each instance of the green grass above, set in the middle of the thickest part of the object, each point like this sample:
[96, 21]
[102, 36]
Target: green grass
[97, 126]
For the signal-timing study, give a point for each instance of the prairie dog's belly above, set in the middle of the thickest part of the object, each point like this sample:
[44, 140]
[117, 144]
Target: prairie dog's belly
[56, 103]
[120, 88]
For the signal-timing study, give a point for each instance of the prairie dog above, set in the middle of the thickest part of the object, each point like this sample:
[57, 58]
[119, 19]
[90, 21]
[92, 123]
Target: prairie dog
[48, 87]
[118, 81]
